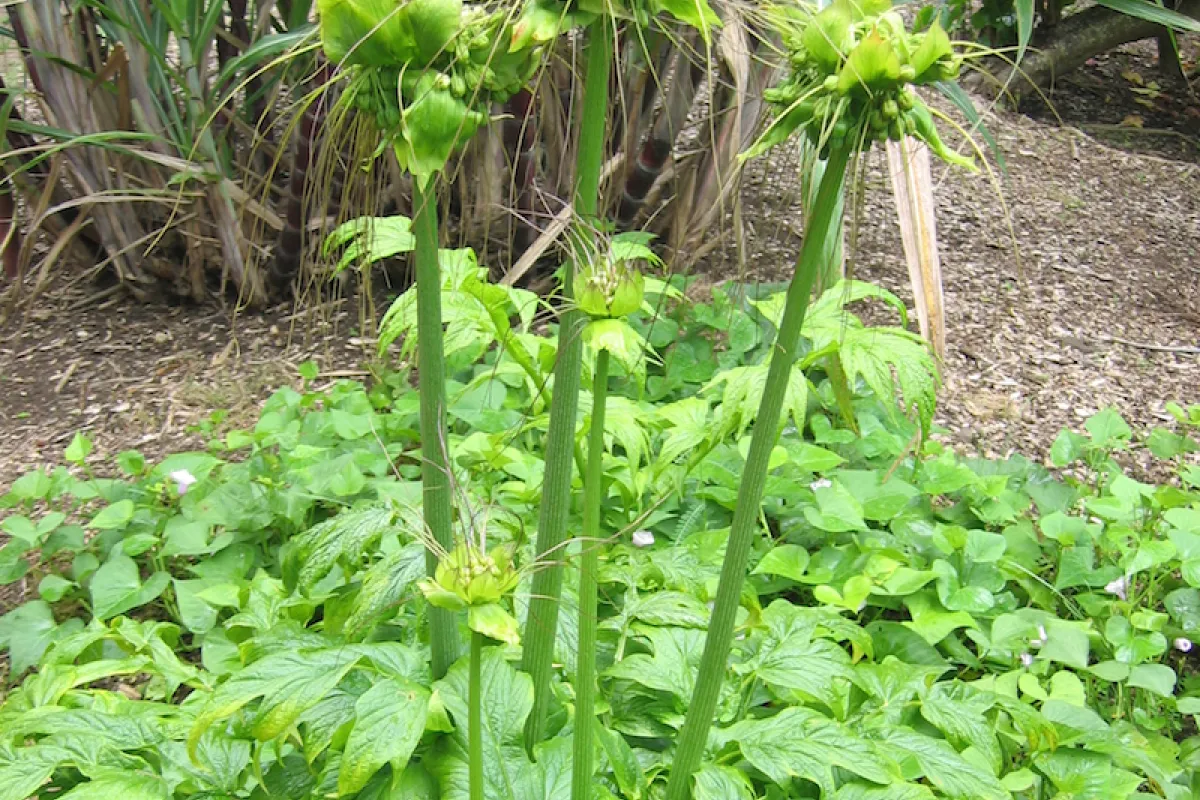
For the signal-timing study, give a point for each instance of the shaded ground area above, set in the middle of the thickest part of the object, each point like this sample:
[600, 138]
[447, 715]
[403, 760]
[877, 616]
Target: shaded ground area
[1101, 307]
[1126, 100]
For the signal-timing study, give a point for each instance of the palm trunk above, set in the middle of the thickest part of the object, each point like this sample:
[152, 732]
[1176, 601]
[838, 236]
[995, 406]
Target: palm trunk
[290, 249]
[10, 234]
[644, 172]
[520, 142]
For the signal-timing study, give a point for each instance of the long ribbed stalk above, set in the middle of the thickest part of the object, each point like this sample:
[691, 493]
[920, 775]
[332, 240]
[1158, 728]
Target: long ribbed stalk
[749, 502]
[435, 470]
[542, 626]
[589, 564]
[475, 719]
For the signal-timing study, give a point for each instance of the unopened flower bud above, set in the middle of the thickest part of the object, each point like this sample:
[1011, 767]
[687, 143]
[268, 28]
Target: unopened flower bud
[643, 538]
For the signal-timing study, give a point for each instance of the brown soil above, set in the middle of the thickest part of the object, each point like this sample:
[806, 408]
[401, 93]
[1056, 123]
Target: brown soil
[150, 379]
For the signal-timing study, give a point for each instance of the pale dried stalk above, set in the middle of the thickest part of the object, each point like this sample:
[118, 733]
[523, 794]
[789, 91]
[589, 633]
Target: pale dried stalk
[912, 186]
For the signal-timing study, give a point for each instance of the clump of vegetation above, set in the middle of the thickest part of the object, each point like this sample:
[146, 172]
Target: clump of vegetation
[733, 566]
[250, 620]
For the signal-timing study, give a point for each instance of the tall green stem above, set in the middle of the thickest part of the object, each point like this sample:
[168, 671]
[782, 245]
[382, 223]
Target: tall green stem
[542, 627]
[435, 471]
[589, 564]
[475, 720]
[749, 502]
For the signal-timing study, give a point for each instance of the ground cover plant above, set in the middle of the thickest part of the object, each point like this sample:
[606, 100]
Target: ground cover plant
[249, 621]
[731, 563]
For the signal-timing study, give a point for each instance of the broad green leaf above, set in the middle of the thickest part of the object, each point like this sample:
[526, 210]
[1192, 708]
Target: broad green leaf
[197, 615]
[1183, 605]
[1157, 678]
[79, 449]
[1066, 686]
[818, 668]
[26, 632]
[945, 767]
[828, 38]
[1150, 553]
[1085, 775]
[384, 585]
[31, 486]
[389, 721]
[1108, 429]
[53, 588]
[332, 717]
[1067, 448]
[114, 516]
[223, 757]
[373, 33]
[933, 622]
[666, 609]
[507, 697]
[894, 791]
[21, 777]
[494, 622]
[107, 784]
[289, 683]
[1131, 646]
[434, 24]
[20, 528]
[837, 510]
[984, 547]
[897, 639]
[673, 665]
[801, 743]
[960, 712]
[1188, 546]
[946, 475]
[117, 587]
[718, 782]
[346, 537]
[787, 560]
[934, 47]
[1112, 671]
[1066, 643]
[625, 767]
[1188, 705]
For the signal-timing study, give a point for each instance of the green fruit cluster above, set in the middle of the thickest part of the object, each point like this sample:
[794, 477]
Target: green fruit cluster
[612, 290]
[467, 577]
[853, 65]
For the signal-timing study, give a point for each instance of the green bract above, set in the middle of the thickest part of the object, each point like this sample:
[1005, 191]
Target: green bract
[852, 65]
[613, 290]
[470, 579]
[387, 33]
[425, 71]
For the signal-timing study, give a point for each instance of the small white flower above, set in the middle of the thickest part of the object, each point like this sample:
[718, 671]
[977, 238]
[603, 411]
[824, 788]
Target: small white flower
[1041, 639]
[1026, 660]
[183, 479]
[822, 483]
[643, 538]
[1183, 645]
[1119, 587]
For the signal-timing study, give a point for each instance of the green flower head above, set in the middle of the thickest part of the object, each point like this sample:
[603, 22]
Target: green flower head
[852, 66]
